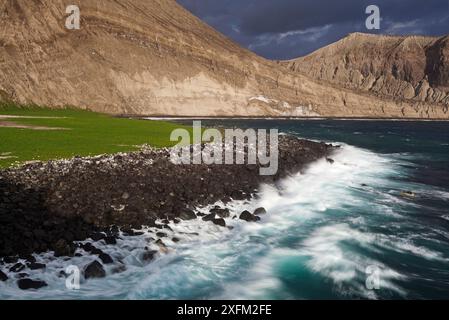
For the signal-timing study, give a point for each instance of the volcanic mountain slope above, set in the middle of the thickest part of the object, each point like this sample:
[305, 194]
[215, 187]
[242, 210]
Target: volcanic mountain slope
[155, 58]
[413, 67]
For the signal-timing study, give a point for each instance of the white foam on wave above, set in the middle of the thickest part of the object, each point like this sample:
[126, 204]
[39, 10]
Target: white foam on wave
[438, 194]
[304, 199]
[331, 259]
[405, 245]
[327, 257]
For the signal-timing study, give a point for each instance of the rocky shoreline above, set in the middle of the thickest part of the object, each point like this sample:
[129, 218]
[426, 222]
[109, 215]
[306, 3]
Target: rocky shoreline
[55, 206]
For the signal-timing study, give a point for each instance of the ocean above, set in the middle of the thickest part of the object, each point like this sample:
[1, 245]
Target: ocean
[372, 225]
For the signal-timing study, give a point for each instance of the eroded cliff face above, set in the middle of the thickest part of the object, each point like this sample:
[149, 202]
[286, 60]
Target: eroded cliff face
[155, 58]
[407, 68]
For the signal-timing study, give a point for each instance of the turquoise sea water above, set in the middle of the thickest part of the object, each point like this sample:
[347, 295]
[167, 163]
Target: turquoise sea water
[326, 232]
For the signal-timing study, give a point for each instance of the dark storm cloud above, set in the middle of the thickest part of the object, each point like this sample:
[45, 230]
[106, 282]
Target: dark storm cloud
[286, 15]
[282, 29]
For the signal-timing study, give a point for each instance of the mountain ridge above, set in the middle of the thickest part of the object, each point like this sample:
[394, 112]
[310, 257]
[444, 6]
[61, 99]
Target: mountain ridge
[407, 67]
[156, 58]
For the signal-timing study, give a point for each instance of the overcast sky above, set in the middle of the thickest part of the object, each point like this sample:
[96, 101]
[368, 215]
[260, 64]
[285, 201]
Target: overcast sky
[285, 29]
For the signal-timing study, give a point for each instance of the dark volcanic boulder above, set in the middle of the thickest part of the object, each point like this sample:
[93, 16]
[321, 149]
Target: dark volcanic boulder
[260, 211]
[209, 217]
[149, 255]
[62, 274]
[26, 284]
[110, 240]
[187, 214]
[3, 277]
[94, 270]
[220, 222]
[105, 258]
[248, 216]
[222, 213]
[10, 259]
[131, 233]
[17, 267]
[62, 248]
[28, 258]
[119, 269]
[97, 236]
[88, 247]
[36, 266]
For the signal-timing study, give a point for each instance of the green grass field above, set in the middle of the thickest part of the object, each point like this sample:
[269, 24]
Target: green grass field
[88, 133]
